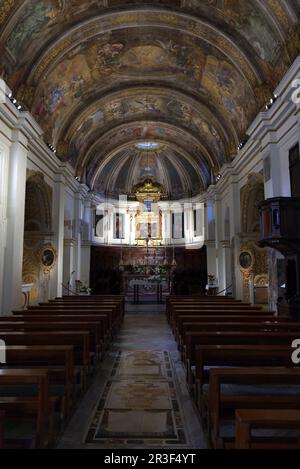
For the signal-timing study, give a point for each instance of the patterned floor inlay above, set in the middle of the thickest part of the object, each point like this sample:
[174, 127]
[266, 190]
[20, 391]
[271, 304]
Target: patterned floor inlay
[139, 404]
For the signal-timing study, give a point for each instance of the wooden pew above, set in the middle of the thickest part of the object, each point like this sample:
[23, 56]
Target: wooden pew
[101, 320]
[40, 405]
[249, 420]
[214, 312]
[57, 359]
[118, 303]
[79, 340]
[2, 417]
[113, 318]
[208, 356]
[180, 320]
[203, 305]
[218, 403]
[192, 339]
[96, 339]
[237, 326]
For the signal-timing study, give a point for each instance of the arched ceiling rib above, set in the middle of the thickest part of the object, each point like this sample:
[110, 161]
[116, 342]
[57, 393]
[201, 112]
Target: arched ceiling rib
[96, 74]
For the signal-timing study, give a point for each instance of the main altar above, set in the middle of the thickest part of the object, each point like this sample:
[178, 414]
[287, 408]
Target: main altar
[149, 277]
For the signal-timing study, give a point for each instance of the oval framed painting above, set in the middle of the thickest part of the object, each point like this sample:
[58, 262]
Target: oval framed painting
[48, 257]
[246, 260]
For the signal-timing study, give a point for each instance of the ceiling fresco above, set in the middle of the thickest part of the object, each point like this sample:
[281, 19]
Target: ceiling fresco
[146, 104]
[127, 135]
[193, 73]
[122, 171]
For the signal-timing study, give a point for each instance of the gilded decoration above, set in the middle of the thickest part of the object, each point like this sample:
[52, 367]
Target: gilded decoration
[47, 257]
[6, 9]
[149, 190]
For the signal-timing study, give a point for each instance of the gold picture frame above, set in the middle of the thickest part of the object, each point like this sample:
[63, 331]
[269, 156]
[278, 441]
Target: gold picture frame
[246, 260]
[48, 257]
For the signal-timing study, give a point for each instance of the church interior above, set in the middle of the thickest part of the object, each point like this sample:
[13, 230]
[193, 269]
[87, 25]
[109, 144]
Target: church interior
[150, 224]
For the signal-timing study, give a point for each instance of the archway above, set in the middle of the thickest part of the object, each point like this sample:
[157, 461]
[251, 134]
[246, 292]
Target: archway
[37, 235]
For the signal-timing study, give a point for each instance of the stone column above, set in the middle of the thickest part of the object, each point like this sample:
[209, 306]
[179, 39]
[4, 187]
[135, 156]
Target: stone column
[13, 260]
[58, 228]
[211, 257]
[69, 263]
[166, 226]
[219, 238]
[235, 230]
[86, 242]
[227, 263]
[4, 167]
[279, 183]
[189, 223]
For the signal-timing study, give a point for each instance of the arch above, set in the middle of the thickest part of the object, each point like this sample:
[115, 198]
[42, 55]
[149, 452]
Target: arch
[251, 195]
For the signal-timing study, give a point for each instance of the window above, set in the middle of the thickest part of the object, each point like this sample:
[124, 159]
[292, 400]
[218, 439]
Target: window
[148, 146]
[148, 206]
[198, 222]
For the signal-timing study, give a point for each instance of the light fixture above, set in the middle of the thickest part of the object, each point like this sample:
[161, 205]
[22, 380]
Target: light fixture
[14, 101]
[271, 102]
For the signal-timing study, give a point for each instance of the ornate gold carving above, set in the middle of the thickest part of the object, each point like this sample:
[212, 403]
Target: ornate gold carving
[148, 190]
[47, 257]
[6, 9]
[258, 266]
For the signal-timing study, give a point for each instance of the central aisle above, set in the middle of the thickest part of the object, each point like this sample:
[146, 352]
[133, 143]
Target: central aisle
[138, 398]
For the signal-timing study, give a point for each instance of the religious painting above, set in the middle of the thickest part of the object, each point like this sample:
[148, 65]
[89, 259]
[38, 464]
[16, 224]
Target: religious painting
[245, 260]
[47, 257]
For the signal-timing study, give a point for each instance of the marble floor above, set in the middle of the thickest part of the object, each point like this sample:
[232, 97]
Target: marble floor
[145, 328]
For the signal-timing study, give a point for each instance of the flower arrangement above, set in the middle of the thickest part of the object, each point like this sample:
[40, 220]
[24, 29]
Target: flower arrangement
[211, 279]
[83, 288]
[157, 273]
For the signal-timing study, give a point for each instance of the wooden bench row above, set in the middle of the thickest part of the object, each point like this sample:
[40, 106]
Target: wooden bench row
[239, 369]
[52, 351]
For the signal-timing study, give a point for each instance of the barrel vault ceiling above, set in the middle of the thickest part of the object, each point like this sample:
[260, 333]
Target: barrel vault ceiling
[100, 76]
